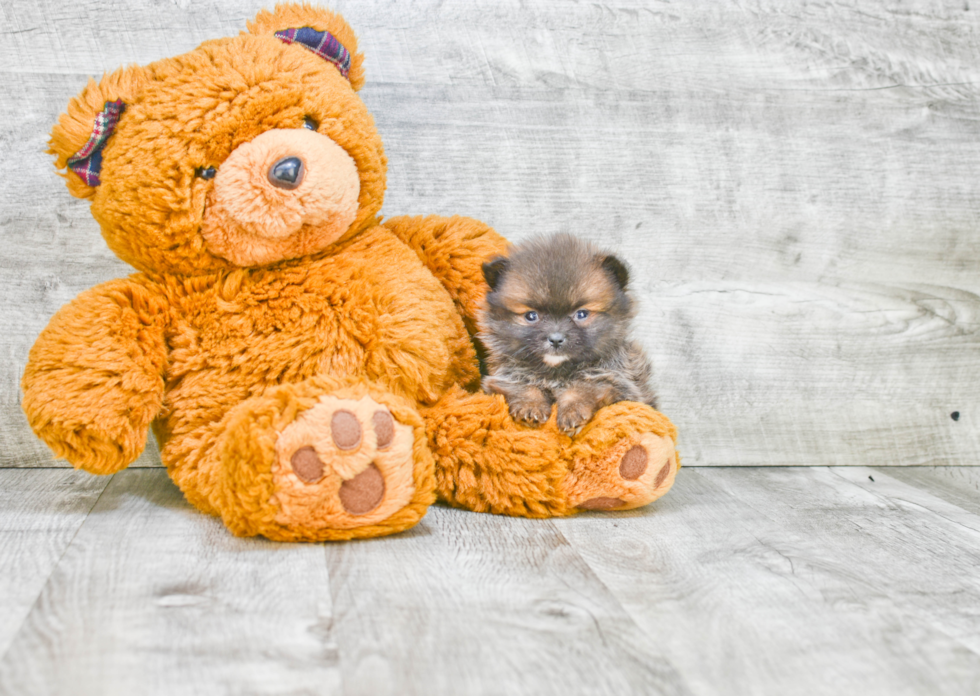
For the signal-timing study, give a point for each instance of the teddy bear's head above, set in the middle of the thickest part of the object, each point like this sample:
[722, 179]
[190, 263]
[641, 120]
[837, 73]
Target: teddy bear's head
[243, 152]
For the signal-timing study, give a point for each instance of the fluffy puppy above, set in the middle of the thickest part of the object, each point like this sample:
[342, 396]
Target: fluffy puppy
[555, 326]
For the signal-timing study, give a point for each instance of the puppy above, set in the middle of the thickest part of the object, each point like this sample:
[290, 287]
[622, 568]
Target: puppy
[555, 326]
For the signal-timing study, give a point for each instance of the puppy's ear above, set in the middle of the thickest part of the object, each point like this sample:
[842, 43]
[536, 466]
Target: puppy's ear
[493, 271]
[617, 269]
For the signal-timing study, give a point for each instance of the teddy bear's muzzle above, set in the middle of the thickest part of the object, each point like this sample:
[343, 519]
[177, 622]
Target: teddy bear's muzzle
[284, 194]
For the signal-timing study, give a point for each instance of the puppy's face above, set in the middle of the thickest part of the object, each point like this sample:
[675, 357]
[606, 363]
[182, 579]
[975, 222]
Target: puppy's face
[553, 303]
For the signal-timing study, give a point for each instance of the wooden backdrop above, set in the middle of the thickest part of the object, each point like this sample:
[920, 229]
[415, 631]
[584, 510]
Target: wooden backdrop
[794, 184]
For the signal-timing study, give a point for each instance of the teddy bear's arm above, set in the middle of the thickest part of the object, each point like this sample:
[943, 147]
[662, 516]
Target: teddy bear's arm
[454, 249]
[94, 378]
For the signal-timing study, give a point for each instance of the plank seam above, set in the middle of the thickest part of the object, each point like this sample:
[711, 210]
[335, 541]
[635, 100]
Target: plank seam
[54, 566]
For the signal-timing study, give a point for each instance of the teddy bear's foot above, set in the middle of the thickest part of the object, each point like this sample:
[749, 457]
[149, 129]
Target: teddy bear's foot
[342, 464]
[325, 459]
[635, 471]
[632, 471]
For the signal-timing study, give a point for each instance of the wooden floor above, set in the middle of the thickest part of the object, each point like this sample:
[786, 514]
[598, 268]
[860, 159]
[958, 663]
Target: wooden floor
[821, 580]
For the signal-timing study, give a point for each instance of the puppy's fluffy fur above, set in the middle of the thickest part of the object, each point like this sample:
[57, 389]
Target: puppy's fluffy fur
[555, 326]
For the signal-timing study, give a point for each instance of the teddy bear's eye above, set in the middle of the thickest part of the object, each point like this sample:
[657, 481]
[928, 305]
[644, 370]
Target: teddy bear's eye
[206, 172]
[310, 123]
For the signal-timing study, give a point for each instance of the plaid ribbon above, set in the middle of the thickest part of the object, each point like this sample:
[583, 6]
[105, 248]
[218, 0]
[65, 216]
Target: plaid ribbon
[87, 162]
[322, 43]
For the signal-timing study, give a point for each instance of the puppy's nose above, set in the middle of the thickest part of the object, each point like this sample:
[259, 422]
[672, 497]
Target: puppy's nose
[556, 339]
[287, 173]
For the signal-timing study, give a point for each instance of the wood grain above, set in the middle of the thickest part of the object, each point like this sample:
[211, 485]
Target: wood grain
[805, 580]
[40, 513]
[153, 597]
[156, 598]
[798, 581]
[477, 604]
[794, 185]
[819, 373]
[957, 485]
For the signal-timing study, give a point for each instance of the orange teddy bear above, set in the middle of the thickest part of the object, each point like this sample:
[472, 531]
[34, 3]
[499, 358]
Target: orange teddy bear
[309, 371]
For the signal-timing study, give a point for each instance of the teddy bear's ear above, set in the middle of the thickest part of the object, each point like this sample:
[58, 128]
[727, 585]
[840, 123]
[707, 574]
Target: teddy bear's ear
[324, 32]
[86, 126]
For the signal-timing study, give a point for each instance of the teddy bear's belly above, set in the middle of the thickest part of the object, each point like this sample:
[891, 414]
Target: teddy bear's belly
[373, 310]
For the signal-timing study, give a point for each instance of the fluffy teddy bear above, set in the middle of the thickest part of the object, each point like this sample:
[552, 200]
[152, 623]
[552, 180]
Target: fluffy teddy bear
[308, 370]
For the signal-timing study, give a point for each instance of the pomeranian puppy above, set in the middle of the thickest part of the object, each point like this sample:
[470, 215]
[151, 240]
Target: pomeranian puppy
[555, 326]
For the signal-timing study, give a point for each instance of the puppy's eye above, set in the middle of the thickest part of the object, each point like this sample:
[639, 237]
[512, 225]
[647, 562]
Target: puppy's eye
[310, 124]
[205, 172]
[530, 317]
[581, 315]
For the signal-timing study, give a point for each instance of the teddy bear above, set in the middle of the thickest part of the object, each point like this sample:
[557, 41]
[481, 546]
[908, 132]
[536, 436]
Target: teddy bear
[309, 369]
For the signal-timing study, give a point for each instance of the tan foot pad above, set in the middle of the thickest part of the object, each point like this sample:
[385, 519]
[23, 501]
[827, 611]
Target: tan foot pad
[633, 472]
[343, 464]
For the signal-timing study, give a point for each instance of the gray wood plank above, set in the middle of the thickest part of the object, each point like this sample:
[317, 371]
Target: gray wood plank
[477, 604]
[957, 485]
[744, 580]
[153, 597]
[40, 513]
[818, 373]
[798, 581]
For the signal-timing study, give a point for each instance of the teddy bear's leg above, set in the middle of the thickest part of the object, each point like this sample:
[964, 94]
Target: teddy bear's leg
[319, 460]
[622, 459]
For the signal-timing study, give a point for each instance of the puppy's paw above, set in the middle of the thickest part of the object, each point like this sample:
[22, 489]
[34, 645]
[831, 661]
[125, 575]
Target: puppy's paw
[534, 412]
[572, 416]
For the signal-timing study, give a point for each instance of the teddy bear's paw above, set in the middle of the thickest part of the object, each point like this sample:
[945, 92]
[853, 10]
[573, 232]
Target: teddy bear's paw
[342, 464]
[633, 472]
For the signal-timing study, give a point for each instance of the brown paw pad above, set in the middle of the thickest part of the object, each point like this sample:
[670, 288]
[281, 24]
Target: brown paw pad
[345, 430]
[384, 429]
[601, 503]
[634, 463]
[307, 466]
[361, 494]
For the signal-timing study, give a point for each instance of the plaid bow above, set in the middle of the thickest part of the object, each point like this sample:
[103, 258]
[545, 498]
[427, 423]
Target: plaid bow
[322, 43]
[87, 162]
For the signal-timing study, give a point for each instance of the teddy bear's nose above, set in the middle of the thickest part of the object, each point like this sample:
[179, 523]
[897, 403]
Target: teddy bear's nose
[287, 173]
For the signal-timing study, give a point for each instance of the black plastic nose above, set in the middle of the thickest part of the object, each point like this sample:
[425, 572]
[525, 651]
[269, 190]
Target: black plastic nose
[556, 339]
[287, 173]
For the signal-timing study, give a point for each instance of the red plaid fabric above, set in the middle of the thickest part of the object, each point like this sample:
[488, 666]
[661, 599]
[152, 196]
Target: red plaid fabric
[322, 43]
[87, 162]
